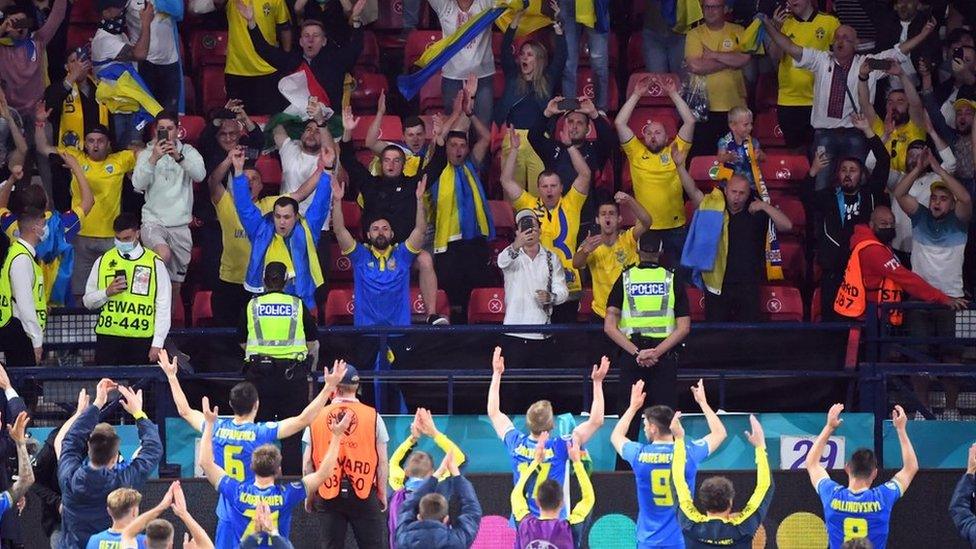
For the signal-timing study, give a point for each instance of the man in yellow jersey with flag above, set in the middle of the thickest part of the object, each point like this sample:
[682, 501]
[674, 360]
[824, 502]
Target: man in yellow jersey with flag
[559, 216]
[247, 76]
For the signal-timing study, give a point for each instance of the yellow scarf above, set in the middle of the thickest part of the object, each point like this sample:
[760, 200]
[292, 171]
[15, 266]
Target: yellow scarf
[454, 213]
[71, 132]
[278, 251]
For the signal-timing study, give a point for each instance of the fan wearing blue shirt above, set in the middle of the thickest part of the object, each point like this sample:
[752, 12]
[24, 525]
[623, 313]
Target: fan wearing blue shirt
[159, 533]
[858, 510]
[539, 420]
[123, 507]
[242, 498]
[235, 439]
[657, 523]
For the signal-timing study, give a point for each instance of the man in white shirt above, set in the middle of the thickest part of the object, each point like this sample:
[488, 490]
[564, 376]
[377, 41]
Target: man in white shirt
[534, 284]
[161, 69]
[476, 59]
[165, 172]
[835, 80]
[23, 301]
[299, 160]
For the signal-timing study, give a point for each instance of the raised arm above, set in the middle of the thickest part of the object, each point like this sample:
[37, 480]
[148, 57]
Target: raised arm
[583, 174]
[865, 107]
[909, 460]
[87, 198]
[415, 240]
[627, 109]
[83, 402]
[587, 498]
[782, 41]
[138, 524]
[25, 472]
[908, 45]
[499, 421]
[756, 508]
[292, 425]
[964, 200]
[687, 129]
[507, 178]
[678, 156]
[716, 429]
[373, 141]
[585, 431]
[213, 472]
[18, 155]
[480, 148]
[619, 435]
[817, 471]
[908, 202]
[342, 234]
[41, 114]
[7, 185]
[314, 480]
[686, 502]
[171, 368]
[195, 537]
[215, 181]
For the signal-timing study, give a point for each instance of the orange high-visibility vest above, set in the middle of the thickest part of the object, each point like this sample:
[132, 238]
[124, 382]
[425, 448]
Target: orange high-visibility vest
[852, 299]
[357, 457]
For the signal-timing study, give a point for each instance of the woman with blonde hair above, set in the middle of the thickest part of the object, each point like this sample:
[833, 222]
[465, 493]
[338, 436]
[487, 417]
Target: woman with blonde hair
[530, 82]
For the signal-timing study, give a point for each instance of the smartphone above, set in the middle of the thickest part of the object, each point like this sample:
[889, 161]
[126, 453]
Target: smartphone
[525, 224]
[569, 104]
[120, 273]
[162, 135]
[252, 153]
[958, 53]
[878, 64]
[821, 150]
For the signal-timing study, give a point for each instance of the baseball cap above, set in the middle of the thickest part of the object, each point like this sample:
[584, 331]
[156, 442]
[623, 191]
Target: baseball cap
[99, 128]
[939, 184]
[351, 377]
[523, 213]
[651, 242]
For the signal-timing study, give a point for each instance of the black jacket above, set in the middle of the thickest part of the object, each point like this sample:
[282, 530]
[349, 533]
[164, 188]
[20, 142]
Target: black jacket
[555, 157]
[46, 486]
[833, 233]
[961, 509]
[889, 35]
[392, 199]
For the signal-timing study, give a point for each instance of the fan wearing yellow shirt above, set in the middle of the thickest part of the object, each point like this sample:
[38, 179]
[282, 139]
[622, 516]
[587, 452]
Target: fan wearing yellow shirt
[808, 28]
[559, 216]
[229, 296]
[105, 171]
[247, 75]
[712, 51]
[904, 120]
[657, 186]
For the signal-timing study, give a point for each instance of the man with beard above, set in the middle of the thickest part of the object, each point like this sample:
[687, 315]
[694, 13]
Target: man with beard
[657, 186]
[391, 196]
[381, 274]
[852, 196]
[938, 244]
[904, 119]
[874, 274]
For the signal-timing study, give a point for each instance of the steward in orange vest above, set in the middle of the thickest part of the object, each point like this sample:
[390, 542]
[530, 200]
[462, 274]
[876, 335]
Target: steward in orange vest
[874, 274]
[355, 493]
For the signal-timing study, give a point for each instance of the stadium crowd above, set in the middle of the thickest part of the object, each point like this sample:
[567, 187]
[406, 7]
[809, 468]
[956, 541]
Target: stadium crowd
[239, 159]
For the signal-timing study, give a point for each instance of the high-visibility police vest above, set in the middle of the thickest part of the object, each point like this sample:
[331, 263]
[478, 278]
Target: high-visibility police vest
[648, 307]
[852, 297]
[131, 312]
[275, 327]
[357, 453]
[17, 248]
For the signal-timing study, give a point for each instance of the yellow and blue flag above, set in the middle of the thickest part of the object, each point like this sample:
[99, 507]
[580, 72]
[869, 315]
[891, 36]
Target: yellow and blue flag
[751, 40]
[122, 90]
[681, 15]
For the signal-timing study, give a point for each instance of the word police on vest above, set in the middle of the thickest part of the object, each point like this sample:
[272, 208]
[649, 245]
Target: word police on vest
[648, 288]
[278, 309]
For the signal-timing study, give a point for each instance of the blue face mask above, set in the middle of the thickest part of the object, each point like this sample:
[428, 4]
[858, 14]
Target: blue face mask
[124, 247]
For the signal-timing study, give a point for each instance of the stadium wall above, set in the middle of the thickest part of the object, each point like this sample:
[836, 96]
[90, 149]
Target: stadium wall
[920, 519]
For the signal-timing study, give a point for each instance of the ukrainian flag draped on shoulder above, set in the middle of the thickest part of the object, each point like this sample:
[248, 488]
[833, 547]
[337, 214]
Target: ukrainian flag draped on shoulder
[752, 38]
[681, 15]
[122, 90]
[437, 54]
[707, 243]
[459, 188]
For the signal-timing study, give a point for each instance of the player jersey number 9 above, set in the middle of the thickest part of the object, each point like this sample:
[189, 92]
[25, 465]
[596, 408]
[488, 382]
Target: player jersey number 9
[542, 475]
[233, 466]
[855, 528]
[661, 487]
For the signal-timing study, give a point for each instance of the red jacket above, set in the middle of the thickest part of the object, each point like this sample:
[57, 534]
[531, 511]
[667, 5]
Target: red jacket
[878, 262]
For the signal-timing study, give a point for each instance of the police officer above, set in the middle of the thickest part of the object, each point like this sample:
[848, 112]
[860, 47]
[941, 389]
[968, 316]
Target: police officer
[647, 317]
[131, 287]
[23, 301]
[279, 332]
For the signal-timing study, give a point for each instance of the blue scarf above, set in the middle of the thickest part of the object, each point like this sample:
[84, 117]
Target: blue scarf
[464, 197]
[57, 248]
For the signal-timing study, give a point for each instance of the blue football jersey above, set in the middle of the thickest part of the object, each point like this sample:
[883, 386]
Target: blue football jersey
[241, 500]
[657, 522]
[109, 539]
[521, 450]
[864, 514]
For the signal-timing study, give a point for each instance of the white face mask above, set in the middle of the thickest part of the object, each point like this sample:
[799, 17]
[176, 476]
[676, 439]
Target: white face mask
[124, 247]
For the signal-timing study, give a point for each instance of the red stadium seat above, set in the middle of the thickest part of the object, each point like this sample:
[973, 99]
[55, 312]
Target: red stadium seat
[699, 167]
[213, 93]
[656, 96]
[178, 314]
[190, 128]
[80, 34]
[201, 312]
[586, 85]
[417, 42]
[353, 217]
[208, 47]
[585, 306]
[366, 93]
[767, 130]
[390, 16]
[793, 208]
[84, 11]
[431, 100]
[504, 218]
[780, 304]
[418, 307]
[486, 306]
[369, 58]
[270, 169]
[785, 168]
[794, 261]
[390, 129]
[340, 268]
[339, 306]
[696, 303]
[816, 312]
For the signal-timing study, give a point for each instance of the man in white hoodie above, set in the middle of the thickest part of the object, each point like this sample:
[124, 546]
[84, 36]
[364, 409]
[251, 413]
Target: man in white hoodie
[164, 173]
